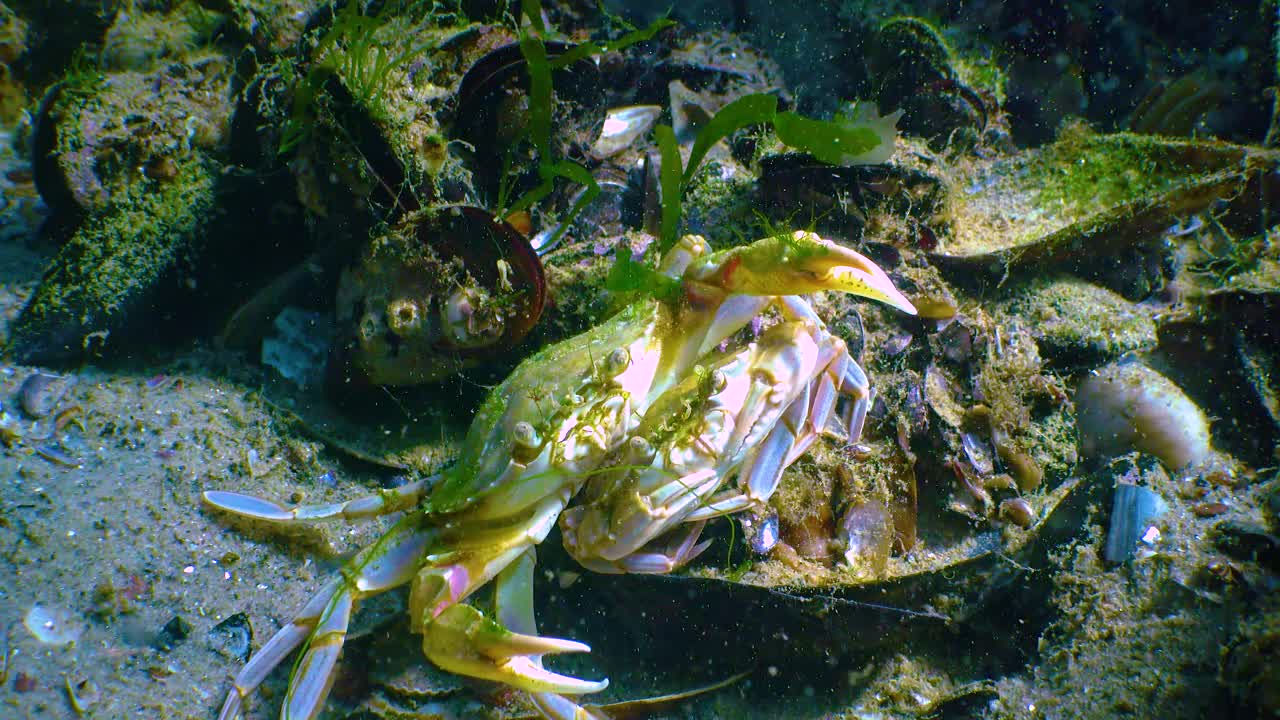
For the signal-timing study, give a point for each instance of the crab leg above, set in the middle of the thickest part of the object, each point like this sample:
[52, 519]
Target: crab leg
[513, 607]
[650, 560]
[790, 438]
[383, 502]
[322, 623]
[593, 536]
[459, 638]
[763, 470]
[854, 383]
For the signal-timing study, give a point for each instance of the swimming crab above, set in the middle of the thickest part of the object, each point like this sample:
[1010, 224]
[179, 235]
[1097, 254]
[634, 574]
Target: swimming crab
[656, 421]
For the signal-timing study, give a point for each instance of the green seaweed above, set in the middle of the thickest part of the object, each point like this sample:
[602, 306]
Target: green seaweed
[540, 96]
[532, 9]
[591, 47]
[754, 109]
[671, 184]
[350, 50]
[548, 172]
[834, 143]
[541, 106]
[858, 136]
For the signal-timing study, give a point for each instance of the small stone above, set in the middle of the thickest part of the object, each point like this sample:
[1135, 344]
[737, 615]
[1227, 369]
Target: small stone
[173, 632]
[1209, 509]
[1130, 406]
[1018, 511]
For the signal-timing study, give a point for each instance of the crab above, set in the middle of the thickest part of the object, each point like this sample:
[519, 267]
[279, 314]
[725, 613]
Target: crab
[632, 435]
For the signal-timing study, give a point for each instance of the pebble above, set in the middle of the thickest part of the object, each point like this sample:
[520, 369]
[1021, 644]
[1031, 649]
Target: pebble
[42, 391]
[1128, 406]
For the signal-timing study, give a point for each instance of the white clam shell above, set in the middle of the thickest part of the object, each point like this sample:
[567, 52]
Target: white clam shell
[622, 127]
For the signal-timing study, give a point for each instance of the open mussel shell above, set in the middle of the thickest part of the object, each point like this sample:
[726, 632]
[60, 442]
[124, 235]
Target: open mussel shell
[922, 592]
[399, 432]
[1080, 202]
[440, 291]
[493, 110]
[623, 126]
[917, 71]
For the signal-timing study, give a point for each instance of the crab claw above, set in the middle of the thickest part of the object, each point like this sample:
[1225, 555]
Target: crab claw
[793, 264]
[462, 640]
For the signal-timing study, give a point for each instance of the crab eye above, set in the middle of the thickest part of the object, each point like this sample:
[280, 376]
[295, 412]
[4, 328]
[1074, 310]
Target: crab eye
[524, 434]
[618, 360]
[641, 450]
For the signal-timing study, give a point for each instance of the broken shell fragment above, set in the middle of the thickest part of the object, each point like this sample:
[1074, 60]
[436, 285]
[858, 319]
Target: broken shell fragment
[50, 625]
[41, 392]
[762, 531]
[978, 453]
[232, 637]
[689, 111]
[867, 534]
[1132, 510]
[1130, 406]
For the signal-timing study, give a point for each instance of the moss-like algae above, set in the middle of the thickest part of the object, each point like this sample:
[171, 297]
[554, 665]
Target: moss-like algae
[1012, 202]
[116, 263]
[1077, 323]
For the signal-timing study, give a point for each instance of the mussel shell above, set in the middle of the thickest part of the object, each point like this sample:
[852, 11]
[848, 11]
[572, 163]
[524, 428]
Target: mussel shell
[46, 171]
[481, 239]
[468, 238]
[487, 100]
[920, 596]
[840, 197]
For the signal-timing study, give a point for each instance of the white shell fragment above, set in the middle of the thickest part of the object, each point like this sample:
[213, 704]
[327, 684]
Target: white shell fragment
[1133, 508]
[51, 626]
[298, 348]
[1129, 406]
[690, 111]
[622, 127]
[884, 126]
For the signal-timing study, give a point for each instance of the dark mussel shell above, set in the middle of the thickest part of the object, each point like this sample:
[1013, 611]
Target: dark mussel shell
[492, 109]
[439, 292]
[841, 198]
[46, 170]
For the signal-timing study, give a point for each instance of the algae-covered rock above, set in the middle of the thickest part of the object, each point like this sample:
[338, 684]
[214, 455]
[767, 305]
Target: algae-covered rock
[946, 97]
[112, 273]
[13, 43]
[357, 113]
[96, 134]
[138, 38]
[126, 162]
[274, 25]
[1077, 323]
